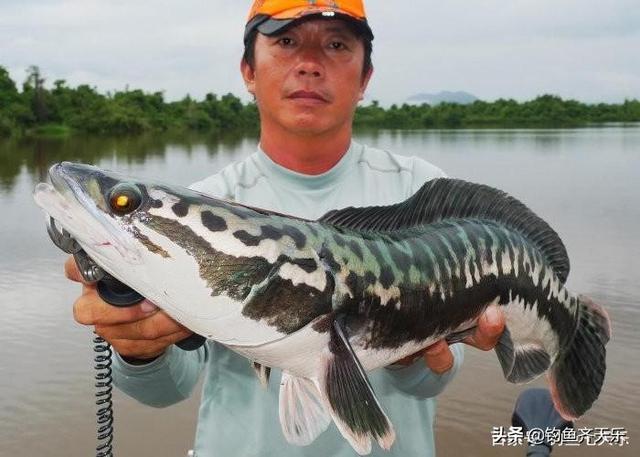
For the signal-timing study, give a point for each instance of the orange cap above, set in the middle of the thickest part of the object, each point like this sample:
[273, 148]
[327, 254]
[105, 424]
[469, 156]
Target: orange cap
[271, 16]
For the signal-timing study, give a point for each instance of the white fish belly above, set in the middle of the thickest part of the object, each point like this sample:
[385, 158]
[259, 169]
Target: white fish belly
[298, 353]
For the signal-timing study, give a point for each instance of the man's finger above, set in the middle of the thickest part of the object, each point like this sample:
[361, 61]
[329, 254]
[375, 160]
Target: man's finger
[147, 349]
[489, 330]
[90, 309]
[439, 357]
[157, 326]
[71, 270]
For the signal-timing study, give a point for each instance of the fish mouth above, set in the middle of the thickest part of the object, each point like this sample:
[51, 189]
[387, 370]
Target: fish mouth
[69, 201]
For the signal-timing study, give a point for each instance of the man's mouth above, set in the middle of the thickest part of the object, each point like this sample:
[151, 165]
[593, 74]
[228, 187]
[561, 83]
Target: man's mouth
[307, 95]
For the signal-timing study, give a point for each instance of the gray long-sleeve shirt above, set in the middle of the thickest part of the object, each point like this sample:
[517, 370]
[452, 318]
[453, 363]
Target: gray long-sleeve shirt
[239, 418]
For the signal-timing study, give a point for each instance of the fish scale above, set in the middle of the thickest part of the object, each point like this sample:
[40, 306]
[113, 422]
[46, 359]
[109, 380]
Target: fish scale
[358, 289]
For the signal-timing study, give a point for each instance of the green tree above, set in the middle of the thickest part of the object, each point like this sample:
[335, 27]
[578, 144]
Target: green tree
[8, 89]
[34, 88]
[8, 97]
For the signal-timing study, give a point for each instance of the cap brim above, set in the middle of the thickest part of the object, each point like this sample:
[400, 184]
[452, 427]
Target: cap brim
[273, 26]
[270, 26]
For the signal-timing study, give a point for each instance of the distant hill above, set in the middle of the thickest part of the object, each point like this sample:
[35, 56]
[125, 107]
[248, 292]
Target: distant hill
[463, 98]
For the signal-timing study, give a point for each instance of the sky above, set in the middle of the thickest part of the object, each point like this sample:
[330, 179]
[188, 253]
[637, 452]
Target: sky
[587, 50]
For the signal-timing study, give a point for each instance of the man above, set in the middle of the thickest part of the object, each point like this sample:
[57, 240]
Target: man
[307, 63]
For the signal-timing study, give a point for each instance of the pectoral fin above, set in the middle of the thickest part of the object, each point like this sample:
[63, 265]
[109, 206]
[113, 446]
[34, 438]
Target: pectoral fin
[302, 413]
[350, 397]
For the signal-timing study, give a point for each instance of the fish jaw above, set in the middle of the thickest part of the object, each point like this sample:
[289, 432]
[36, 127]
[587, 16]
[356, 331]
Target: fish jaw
[71, 200]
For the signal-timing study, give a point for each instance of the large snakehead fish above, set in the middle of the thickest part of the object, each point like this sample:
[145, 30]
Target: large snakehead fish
[358, 289]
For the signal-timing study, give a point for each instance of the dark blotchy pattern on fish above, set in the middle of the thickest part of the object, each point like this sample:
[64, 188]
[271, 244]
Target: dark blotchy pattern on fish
[421, 314]
[307, 265]
[213, 222]
[223, 273]
[289, 308]
[189, 197]
[180, 209]
[281, 304]
[268, 232]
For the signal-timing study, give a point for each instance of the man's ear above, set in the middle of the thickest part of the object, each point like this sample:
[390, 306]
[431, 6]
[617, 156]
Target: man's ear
[249, 76]
[365, 82]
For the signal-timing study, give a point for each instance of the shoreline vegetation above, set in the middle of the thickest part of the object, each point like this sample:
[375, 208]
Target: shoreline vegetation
[59, 110]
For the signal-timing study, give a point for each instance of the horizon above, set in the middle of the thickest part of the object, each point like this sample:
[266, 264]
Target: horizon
[49, 85]
[510, 50]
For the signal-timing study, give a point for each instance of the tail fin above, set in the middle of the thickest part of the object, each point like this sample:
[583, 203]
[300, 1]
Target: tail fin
[577, 375]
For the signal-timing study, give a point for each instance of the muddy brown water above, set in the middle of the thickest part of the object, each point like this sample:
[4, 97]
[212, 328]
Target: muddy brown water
[584, 182]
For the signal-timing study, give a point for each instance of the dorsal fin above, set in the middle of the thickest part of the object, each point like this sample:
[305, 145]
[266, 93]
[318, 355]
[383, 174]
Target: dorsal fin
[445, 198]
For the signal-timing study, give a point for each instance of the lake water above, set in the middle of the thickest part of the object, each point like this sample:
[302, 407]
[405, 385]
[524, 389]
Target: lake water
[584, 182]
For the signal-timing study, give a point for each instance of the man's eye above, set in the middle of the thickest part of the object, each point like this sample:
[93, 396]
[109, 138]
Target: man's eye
[337, 45]
[285, 41]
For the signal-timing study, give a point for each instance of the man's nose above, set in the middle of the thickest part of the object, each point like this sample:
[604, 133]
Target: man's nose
[304, 71]
[309, 65]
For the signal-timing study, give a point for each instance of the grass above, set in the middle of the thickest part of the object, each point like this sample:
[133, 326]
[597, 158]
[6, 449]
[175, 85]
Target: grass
[55, 130]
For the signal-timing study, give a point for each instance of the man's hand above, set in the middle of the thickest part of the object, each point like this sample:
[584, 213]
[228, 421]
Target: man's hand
[142, 331]
[438, 356]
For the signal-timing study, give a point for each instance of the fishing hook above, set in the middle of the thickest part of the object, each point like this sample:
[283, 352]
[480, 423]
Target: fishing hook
[90, 272]
[62, 239]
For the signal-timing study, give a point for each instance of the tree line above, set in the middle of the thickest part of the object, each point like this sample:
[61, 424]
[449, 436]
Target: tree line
[58, 108]
[83, 109]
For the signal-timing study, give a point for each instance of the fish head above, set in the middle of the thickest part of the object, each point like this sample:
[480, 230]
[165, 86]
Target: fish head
[114, 219]
[130, 227]
[102, 210]
[106, 213]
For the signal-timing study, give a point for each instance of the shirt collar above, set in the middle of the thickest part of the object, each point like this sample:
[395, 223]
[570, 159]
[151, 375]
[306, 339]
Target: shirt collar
[303, 181]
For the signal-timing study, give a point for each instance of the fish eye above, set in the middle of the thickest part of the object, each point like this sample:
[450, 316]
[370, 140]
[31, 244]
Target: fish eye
[125, 198]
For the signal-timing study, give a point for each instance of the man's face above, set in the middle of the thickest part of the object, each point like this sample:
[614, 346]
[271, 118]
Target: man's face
[309, 79]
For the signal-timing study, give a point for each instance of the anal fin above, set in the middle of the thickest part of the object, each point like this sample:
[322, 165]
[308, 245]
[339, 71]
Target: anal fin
[349, 396]
[521, 362]
[302, 413]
